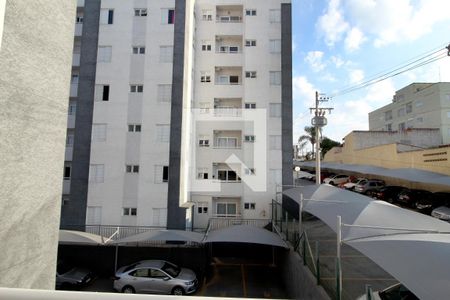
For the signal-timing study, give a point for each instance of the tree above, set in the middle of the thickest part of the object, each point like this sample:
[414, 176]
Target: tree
[326, 144]
[310, 136]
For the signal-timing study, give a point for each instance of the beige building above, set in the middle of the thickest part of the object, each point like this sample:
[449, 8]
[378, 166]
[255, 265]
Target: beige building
[418, 105]
[360, 148]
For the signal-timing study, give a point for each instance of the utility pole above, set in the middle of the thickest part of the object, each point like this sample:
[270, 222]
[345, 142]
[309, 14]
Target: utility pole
[319, 121]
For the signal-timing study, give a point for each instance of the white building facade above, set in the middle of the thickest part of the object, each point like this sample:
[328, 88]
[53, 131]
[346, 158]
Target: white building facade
[181, 112]
[418, 105]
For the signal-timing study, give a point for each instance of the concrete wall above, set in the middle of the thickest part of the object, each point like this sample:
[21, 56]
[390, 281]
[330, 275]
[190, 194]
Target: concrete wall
[2, 17]
[299, 281]
[35, 63]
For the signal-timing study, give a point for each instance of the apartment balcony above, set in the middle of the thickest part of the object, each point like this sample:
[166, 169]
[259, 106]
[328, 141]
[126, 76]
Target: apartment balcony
[80, 3]
[228, 75]
[227, 107]
[74, 90]
[69, 153]
[226, 207]
[78, 29]
[66, 186]
[227, 139]
[76, 60]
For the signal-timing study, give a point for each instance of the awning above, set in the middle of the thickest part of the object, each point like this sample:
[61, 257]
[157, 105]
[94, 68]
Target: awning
[407, 174]
[412, 247]
[71, 237]
[245, 234]
[161, 236]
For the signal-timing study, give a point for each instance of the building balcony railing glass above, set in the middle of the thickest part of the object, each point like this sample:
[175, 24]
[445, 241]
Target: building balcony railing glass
[229, 19]
[226, 143]
[227, 112]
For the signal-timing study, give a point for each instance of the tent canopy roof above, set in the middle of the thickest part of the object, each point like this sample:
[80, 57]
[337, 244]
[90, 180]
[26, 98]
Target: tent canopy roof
[72, 237]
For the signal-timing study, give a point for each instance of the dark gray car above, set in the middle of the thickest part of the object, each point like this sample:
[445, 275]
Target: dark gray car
[369, 186]
[155, 277]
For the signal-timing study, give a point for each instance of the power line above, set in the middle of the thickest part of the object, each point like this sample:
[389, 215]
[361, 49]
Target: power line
[424, 59]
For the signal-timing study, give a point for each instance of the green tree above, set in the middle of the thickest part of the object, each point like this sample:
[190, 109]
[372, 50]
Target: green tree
[326, 144]
[310, 136]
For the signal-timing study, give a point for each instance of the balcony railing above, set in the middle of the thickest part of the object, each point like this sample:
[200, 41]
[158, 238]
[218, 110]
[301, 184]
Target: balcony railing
[228, 19]
[228, 49]
[227, 112]
[226, 143]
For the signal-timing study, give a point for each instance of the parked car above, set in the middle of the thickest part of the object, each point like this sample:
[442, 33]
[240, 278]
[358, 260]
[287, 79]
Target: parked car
[336, 179]
[387, 193]
[353, 182]
[369, 186]
[441, 213]
[70, 277]
[428, 204]
[396, 291]
[155, 276]
[411, 197]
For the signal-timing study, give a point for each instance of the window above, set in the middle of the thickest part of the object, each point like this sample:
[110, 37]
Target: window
[206, 46]
[274, 142]
[227, 175]
[99, 132]
[250, 105]
[79, 19]
[275, 110]
[249, 138]
[159, 216]
[165, 54]
[102, 92]
[419, 120]
[419, 103]
[134, 127]
[234, 79]
[94, 215]
[202, 208]
[226, 142]
[140, 12]
[224, 209]
[67, 171]
[275, 46]
[65, 200]
[249, 171]
[249, 205]
[388, 115]
[250, 74]
[250, 12]
[132, 168]
[408, 107]
[136, 88]
[389, 127]
[129, 211]
[250, 43]
[162, 133]
[205, 77]
[167, 16]
[161, 174]
[275, 77]
[274, 16]
[203, 141]
[202, 173]
[75, 78]
[106, 16]
[448, 114]
[204, 107]
[96, 173]
[207, 15]
[138, 50]
[72, 108]
[401, 126]
[104, 54]
[69, 139]
[401, 112]
[164, 92]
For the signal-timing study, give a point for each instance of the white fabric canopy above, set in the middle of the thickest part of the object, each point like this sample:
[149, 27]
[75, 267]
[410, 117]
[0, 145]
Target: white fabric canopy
[417, 259]
[71, 237]
[162, 235]
[245, 234]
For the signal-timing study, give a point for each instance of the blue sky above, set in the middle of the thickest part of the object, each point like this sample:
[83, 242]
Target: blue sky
[338, 43]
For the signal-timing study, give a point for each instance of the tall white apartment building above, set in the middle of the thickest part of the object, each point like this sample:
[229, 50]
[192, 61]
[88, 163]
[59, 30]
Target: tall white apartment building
[418, 105]
[181, 112]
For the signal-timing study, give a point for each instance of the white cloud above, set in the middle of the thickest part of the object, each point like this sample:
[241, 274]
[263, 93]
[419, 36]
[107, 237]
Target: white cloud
[332, 24]
[303, 90]
[356, 76]
[396, 21]
[314, 59]
[338, 62]
[355, 38]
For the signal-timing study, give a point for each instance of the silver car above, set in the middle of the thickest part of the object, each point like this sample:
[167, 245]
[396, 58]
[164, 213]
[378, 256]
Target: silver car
[156, 277]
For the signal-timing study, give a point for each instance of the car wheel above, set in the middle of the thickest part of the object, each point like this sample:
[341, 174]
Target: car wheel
[128, 290]
[331, 182]
[178, 291]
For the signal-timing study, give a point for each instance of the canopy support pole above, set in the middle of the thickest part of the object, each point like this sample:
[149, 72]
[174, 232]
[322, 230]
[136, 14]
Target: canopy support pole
[338, 258]
[115, 258]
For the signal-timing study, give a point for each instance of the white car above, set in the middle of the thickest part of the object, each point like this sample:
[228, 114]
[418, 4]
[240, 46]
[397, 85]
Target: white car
[442, 213]
[337, 179]
[351, 184]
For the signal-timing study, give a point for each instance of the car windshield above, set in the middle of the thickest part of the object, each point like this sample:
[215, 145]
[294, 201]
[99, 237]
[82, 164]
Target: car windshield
[171, 269]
